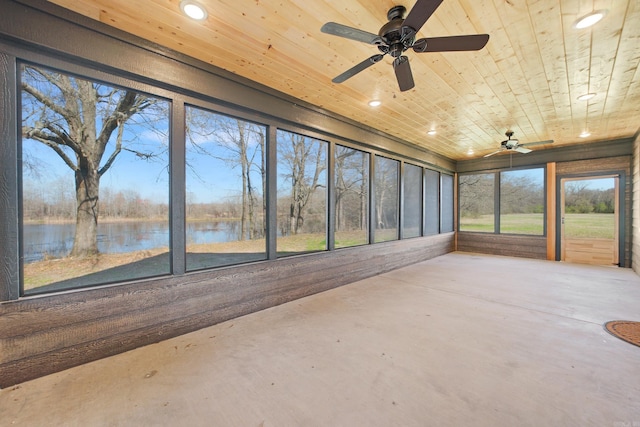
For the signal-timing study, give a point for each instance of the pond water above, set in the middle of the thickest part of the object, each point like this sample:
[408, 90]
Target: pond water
[56, 240]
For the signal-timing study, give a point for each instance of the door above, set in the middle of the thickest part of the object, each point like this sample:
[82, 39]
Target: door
[590, 220]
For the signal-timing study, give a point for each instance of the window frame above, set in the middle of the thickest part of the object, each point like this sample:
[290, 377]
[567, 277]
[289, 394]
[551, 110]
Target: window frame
[178, 98]
[497, 173]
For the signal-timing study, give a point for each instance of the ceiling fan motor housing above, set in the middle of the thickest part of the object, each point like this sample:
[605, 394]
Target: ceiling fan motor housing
[392, 33]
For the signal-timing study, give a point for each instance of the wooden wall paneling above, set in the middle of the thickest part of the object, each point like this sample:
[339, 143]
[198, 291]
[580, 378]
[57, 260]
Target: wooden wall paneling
[48, 334]
[551, 211]
[502, 244]
[9, 220]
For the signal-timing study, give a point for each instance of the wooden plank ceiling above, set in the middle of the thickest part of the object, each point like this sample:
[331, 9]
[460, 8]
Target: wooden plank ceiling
[526, 79]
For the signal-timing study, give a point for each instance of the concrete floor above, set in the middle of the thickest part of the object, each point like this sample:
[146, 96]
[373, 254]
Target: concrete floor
[459, 340]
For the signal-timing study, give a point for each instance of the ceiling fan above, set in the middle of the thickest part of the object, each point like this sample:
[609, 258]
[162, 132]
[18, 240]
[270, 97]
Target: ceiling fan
[398, 35]
[514, 145]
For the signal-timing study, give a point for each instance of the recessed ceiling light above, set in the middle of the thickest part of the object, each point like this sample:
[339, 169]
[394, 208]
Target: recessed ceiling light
[375, 103]
[590, 19]
[586, 96]
[585, 134]
[432, 132]
[193, 10]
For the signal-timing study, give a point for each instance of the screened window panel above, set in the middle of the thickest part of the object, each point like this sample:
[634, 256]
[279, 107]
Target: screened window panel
[522, 201]
[225, 207]
[431, 202]
[446, 202]
[387, 172]
[95, 184]
[412, 202]
[476, 193]
[302, 194]
[352, 197]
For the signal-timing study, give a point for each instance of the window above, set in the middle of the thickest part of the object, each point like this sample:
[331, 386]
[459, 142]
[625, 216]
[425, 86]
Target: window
[386, 198]
[522, 201]
[412, 202]
[431, 202]
[302, 194]
[446, 203]
[352, 197]
[95, 191]
[225, 187]
[508, 202]
[477, 202]
[96, 167]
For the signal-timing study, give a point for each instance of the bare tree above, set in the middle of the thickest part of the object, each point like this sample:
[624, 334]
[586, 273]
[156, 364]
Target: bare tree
[239, 144]
[386, 192]
[77, 119]
[298, 153]
[476, 194]
[351, 188]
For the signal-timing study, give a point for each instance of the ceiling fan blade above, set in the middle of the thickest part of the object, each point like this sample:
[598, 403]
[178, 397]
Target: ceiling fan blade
[451, 43]
[403, 73]
[521, 149]
[357, 68]
[420, 12]
[340, 30]
[491, 154]
[529, 144]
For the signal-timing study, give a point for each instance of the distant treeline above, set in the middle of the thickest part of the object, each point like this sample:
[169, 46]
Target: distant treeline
[579, 199]
[59, 204]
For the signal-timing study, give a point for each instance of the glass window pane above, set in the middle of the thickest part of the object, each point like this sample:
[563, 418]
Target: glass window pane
[446, 203]
[431, 202]
[352, 197]
[225, 187]
[302, 194]
[95, 192]
[412, 206]
[386, 198]
[476, 202]
[522, 201]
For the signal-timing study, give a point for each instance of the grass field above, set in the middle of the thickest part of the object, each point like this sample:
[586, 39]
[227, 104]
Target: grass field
[576, 225]
[601, 226]
[514, 223]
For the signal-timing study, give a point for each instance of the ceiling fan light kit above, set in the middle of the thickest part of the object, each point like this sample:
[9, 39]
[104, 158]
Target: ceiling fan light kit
[399, 35]
[512, 144]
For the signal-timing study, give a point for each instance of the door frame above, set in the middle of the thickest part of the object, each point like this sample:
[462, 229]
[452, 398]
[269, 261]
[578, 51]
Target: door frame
[622, 185]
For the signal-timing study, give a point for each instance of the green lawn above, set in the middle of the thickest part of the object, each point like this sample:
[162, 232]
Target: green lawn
[513, 223]
[576, 225]
[600, 226]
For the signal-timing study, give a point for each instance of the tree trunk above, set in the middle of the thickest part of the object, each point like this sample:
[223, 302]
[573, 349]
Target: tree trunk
[85, 242]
